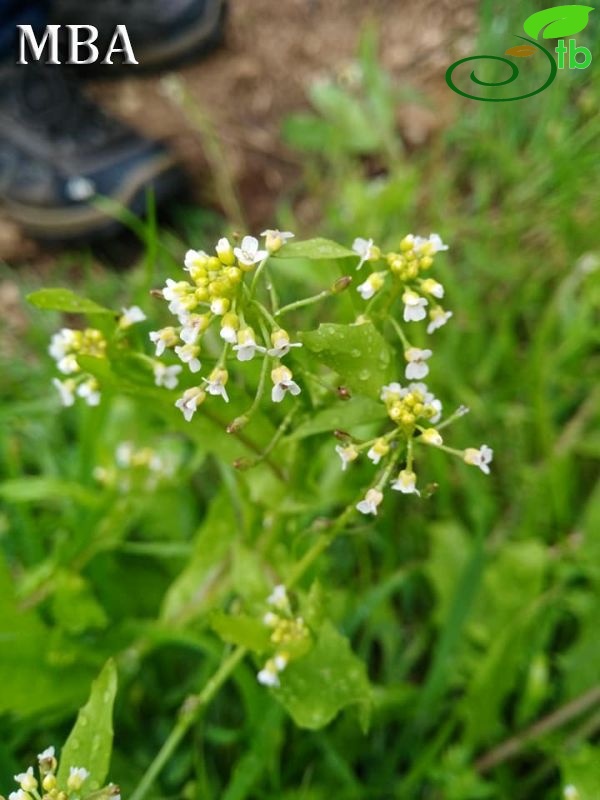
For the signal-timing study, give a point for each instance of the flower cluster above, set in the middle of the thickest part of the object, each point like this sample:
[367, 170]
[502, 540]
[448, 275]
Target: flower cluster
[413, 409]
[68, 343]
[289, 636]
[64, 348]
[406, 268]
[219, 296]
[47, 782]
[143, 467]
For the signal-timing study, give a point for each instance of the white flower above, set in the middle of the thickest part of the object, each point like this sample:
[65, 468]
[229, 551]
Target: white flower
[429, 399]
[414, 306]
[225, 251]
[432, 437]
[270, 619]
[190, 400]
[282, 380]
[166, 376]
[192, 326]
[246, 346]
[61, 343]
[416, 367]
[26, 780]
[130, 316]
[180, 295]
[431, 245]
[366, 250]
[188, 353]
[369, 505]
[220, 306]
[268, 675]
[570, 792]
[479, 458]
[438, 317]
[248, 253]
[230, 325]
[66, 390]
[281, 662]
[279, 598]
[379, 449]
[281, 344]
[432, 287]
[47, 754]
[372, 285]
[163, 338]
[68, 365]
[347, 454]
[392, 392]
[406, 482]
[89, 391]
[194, 259]
[274, 239]
[215, 385]
[77, 777]
[19, 795]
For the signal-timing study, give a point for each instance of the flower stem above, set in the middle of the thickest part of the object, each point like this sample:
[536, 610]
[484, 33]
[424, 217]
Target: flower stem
[306, 302]
[196, 703]
[190, 713]
[257, 274]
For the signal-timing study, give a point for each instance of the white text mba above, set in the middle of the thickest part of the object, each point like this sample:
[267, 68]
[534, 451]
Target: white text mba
[82, 49]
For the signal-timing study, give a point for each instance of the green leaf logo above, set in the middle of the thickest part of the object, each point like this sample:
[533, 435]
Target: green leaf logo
[558, 21]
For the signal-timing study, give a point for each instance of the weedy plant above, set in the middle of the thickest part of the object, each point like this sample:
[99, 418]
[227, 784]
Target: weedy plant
[367, 372]
[250, 547]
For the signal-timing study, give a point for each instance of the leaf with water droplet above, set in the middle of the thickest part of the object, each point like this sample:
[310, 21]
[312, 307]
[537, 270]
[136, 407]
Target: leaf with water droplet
[315, 688]
[89, 744]
[358, 353]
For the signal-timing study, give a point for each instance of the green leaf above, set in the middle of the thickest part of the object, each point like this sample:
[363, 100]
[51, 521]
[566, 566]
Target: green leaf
[347, 414]
[315, 249]
[67, 301]
[31, 679]
[74, 606]
[36, 489]
[89, 744]
[205, 577]
[241, 630]
[557, 22]
[358, 353]
[318, 686]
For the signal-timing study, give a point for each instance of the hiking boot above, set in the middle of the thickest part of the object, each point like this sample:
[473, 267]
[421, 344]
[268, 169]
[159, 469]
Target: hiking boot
[162, 34]
[59, 153]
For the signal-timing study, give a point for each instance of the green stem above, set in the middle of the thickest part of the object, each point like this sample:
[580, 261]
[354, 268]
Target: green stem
[301, 303]
[190, 713]
[196, 703]
[257, 274]
[401, 335]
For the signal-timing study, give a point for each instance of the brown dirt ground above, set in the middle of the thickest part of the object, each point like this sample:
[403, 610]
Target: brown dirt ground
[273, 50]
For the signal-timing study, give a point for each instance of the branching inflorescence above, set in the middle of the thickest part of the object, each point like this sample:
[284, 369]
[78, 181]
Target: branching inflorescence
[220, 314]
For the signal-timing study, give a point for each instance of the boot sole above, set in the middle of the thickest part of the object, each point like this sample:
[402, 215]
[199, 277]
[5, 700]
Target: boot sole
[68, 224]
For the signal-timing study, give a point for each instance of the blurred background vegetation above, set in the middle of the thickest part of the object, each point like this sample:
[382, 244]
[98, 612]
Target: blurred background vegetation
[476, 610]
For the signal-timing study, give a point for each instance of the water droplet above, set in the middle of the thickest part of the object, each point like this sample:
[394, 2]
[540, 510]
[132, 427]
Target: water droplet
[364, 374]
[355, 353]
